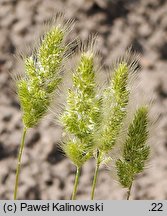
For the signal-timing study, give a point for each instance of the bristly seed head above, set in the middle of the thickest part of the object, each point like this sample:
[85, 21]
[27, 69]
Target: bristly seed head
[135, 150]
[114, 104]
[42, 76]
[82, 110]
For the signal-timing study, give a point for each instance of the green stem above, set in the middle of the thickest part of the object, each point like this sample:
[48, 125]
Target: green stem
[76, 183]
[94, 181]
[19, 162]
[95, 175]
[129, 192]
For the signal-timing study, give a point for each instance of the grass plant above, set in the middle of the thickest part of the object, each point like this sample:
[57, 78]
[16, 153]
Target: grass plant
[91, 120]
[36, 87]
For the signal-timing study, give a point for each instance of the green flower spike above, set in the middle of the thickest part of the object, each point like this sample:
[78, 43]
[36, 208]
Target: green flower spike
[81, 114]
[42, 77]
[113, 110]
[115, 100]
[135, 150]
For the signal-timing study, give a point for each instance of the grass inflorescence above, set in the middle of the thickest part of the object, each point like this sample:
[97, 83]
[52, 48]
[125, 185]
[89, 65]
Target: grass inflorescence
[93, 115]
[36, 87]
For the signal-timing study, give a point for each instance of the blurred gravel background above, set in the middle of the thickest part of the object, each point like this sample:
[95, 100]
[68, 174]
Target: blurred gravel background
[47, 174]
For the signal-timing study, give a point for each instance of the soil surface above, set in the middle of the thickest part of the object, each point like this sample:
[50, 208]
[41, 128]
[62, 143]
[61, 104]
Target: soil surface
[46, 173]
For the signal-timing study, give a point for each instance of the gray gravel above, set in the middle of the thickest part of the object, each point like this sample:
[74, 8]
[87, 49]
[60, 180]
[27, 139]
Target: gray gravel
[46, 173]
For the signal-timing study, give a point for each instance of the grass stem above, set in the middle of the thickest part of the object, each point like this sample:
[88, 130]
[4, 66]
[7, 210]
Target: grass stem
[19, 162]
[95, 177]
[78, 172]
[129, 192]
